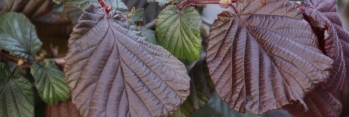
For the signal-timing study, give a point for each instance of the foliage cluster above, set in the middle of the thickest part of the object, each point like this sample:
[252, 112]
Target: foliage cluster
[260, 55]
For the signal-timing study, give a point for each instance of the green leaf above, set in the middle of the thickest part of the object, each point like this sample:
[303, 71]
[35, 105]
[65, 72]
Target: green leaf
[116, 4]
[179, 32]
[137, 16]
[18, 36]
[216, 107]
[150, 35]
[201, 88]
[151, 10]
[16, 94]
[161, 2]
[82, 4]
[49, 81]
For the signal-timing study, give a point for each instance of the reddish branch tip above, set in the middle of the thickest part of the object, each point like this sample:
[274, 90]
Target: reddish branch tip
[106, 8]
[182, 5]
[302, 8]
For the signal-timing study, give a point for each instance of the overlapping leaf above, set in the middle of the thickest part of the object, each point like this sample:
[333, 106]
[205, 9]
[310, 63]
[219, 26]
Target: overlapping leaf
[137, 16]
[320, 104]
[161, 2]
[49, 81]
[63, 109]
[115, 4]
[151, 10]
[343, 96]
[16, 95]
[264, 56]
[185, 3]
[18, 36]
[150, 35]
[179, 32]
[216, 107]
[201, 88]
[113, 72]
[335, 42]
[31, 8]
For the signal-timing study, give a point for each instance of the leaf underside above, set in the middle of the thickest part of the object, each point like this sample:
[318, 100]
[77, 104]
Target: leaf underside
[113, 72]
[18, 36]
[201, 88]
[16, 94]
[336, 42]
[49, 81]
[264, 56]
[179, 32]
[320, 104]
[63, 109]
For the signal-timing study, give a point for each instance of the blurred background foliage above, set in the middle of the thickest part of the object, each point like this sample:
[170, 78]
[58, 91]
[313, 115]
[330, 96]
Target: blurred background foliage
[55, 22]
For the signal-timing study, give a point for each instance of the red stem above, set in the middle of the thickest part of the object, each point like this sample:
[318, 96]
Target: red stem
[8, 58]
[106, 8]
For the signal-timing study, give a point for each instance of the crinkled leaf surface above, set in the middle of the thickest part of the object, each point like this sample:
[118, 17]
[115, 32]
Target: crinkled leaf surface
[335, 43]
[49, 81]
[264, 55]
[149, 34]
[16, 94]
[113, 72]
[18, 36]
[179, 32]
[63, 109]
[115, 4]
[201, 88]
[320, 104]
[30, 8]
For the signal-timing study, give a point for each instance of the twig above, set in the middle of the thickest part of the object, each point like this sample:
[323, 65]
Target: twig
[12, 59]
[106, 8]
[60, 61]
[151, 24]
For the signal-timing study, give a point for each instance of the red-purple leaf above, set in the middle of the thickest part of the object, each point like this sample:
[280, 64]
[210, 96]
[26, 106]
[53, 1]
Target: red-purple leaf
[334, 43]
[264, 56]
[113, 72]
[320, 104]
[63, 109]
[343, 96]
[30, 8]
